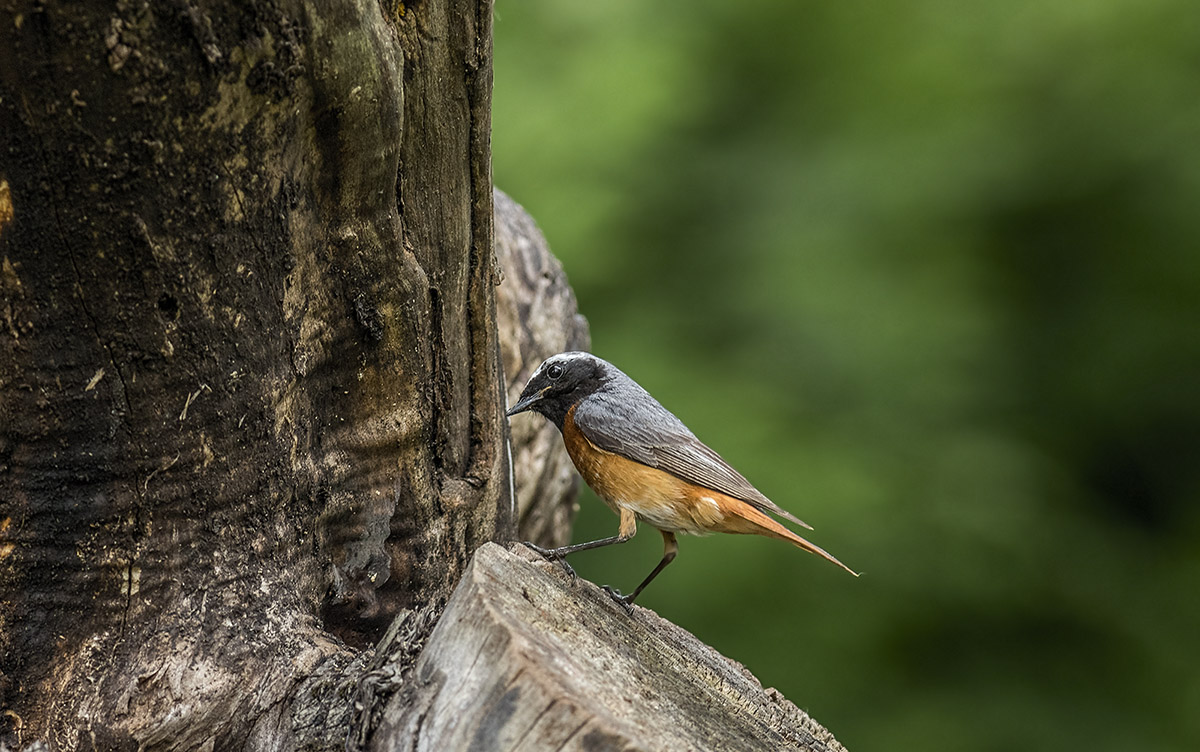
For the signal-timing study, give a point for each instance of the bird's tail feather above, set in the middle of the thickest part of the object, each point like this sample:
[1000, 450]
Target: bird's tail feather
[812, 548]
[770, 528]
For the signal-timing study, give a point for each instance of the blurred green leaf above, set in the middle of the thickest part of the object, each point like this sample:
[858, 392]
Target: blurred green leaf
[928, 273]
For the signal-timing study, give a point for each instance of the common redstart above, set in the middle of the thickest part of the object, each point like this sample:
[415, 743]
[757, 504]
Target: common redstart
[645, 463]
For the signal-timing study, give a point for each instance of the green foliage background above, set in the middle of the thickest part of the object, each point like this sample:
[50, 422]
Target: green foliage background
[928, 273]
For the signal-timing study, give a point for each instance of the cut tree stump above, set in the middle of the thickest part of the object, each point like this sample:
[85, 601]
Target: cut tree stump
[526, 659]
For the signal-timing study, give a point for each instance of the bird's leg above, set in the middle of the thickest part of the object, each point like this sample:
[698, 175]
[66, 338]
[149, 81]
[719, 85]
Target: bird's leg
[670, 548]
[553, 554]
[560, 554]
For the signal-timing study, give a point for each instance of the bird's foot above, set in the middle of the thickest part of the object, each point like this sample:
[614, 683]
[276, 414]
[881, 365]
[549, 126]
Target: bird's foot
[552, 554]
[625, 601]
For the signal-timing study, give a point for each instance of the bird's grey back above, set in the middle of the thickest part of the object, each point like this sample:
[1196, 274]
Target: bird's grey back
[624, 411]
[621, 417]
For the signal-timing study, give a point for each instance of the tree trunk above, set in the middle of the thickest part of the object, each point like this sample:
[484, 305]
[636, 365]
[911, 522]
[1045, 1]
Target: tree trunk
[251, 400]
[250, 391]
[537, 317]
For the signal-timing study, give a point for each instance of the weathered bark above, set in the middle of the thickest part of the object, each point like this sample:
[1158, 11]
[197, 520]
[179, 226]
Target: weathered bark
[524, 659]
[250, 392]
[537, 317]
[251, 400]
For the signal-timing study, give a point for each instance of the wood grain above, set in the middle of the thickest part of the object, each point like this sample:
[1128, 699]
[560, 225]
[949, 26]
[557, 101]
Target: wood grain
[524, 659]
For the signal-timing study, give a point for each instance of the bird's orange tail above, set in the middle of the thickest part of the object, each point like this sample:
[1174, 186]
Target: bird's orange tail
[810, 547]
[766, 526]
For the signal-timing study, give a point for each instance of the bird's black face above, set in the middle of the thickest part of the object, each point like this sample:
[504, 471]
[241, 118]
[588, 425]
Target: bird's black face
[560, 382]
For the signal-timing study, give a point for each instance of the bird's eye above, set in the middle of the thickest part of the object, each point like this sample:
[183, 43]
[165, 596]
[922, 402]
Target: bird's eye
[555, 371]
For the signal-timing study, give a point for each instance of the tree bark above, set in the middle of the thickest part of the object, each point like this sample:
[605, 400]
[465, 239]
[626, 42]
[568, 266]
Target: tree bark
[250, 392]
[251, 397]
[537, 317]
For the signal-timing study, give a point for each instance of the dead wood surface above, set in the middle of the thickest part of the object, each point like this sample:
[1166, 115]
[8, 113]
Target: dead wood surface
[537, 317]
[524, 659]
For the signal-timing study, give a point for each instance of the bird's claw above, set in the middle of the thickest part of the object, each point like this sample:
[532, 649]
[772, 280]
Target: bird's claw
[569, 570]
[626, 601]
[550, 555]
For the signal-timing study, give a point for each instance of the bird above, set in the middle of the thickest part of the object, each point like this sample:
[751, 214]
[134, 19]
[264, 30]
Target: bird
[645, 464]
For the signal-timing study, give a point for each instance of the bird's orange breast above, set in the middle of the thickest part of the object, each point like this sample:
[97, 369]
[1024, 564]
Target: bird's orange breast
[659, 498]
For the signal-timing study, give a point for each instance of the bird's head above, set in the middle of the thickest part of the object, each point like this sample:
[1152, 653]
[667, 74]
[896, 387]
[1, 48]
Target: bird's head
[560, 382]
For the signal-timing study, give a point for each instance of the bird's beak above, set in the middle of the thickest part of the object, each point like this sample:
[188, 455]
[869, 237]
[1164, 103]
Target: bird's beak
[525, 403]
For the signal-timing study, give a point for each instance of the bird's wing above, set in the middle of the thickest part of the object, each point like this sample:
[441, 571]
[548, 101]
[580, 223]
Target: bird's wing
[633, 424]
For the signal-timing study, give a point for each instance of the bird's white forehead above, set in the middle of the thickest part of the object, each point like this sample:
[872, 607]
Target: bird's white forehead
[564, 358]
